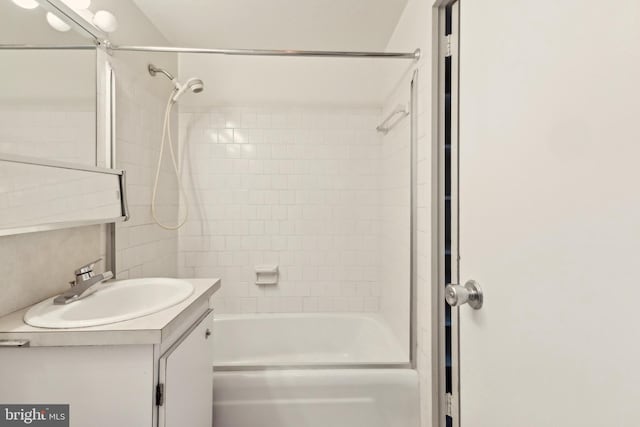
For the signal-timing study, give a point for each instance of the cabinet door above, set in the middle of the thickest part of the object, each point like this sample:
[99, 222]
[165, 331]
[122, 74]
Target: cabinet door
[187, 378]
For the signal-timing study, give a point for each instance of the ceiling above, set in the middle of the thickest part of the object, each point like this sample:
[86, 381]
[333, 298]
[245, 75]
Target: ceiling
[276, 24]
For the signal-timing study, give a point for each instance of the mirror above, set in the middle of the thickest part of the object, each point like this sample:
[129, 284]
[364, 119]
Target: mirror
[49, 149]
[47, 96]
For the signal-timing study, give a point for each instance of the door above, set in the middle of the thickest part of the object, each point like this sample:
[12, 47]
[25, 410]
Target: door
[549, 220]
[186, 378]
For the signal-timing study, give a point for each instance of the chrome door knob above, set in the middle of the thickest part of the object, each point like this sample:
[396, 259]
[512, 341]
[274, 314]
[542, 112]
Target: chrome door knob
[457, 295]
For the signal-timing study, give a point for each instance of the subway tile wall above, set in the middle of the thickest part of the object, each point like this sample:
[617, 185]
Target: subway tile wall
[296, 187]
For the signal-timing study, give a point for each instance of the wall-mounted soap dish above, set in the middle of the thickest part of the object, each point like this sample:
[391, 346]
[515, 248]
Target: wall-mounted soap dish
[267, 274]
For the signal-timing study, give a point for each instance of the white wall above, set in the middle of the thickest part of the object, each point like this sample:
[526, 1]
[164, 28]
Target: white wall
[414, 30]
[277, 24]
[36, 266]
[290, 186]
[278, 82]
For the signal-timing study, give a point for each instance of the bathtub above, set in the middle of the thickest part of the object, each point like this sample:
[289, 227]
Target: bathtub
[311, 370]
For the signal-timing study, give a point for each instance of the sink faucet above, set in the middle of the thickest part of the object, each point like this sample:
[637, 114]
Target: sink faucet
[84, 284]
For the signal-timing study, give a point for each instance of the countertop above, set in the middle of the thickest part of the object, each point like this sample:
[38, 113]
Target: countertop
[151, 329]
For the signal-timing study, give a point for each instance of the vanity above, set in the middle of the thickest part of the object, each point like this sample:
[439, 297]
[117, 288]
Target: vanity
[153, 370]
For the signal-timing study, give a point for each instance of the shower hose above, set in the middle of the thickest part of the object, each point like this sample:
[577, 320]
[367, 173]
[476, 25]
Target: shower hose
[166, 135]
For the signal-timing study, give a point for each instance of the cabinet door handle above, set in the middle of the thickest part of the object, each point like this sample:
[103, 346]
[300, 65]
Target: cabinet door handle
[207, 333]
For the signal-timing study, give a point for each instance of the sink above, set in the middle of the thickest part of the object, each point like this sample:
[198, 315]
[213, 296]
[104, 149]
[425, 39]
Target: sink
[113, 302]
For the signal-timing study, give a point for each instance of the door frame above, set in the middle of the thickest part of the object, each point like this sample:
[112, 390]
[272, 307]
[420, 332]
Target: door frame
[442, 404]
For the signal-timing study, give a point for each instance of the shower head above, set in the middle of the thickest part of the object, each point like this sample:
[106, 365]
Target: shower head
[195, 85]
[192, 85]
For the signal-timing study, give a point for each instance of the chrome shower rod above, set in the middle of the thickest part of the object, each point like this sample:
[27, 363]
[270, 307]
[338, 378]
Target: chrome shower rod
[46, 47]
[262, 52]
[237, 52]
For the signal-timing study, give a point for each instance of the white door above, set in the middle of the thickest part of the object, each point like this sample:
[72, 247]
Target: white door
[550, 212]
[186, 374]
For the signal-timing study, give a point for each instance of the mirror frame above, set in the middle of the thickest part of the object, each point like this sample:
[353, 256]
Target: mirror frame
[122, 182]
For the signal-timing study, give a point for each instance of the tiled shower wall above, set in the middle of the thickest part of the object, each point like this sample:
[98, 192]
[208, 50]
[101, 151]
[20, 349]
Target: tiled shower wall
[295, 187]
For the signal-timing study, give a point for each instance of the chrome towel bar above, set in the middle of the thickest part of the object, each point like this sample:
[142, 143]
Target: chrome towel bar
[389, 123]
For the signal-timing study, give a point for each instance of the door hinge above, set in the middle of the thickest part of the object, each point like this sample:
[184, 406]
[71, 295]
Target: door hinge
[447, 46]
[160, 394]
[449, 404]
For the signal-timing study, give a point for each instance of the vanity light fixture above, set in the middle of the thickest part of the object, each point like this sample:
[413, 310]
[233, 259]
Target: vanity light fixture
[102, 19]
[105, 21]
[57, 23]
[77, 4]
[26, 4]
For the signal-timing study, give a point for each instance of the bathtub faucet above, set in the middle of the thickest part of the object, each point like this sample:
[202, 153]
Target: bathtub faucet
[84, 284]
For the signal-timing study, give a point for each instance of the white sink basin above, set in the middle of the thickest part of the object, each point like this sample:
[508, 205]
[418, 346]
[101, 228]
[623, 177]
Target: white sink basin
[116, 302]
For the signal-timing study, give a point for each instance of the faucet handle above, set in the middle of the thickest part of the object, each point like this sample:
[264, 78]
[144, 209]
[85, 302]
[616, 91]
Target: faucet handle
[88, 268]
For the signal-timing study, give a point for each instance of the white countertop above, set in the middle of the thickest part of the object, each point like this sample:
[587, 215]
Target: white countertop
[151, 329]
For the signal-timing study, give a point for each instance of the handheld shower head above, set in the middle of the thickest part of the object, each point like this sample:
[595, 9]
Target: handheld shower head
[196, 85]
[192, 85]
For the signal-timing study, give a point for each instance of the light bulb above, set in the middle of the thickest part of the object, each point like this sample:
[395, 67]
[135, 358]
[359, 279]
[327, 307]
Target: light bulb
[77, 4]
[26, 4]
[106, 21]
[57, 23]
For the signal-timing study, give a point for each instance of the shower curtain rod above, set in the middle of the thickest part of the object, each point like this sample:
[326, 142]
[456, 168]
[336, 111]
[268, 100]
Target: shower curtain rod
[263, 52]
[415, 55]
[47, 47]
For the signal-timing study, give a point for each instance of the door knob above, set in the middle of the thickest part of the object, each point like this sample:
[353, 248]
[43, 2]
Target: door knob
[457, 295]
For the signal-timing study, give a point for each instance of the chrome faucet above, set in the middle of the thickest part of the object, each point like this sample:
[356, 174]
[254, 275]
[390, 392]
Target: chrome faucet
[84, 284]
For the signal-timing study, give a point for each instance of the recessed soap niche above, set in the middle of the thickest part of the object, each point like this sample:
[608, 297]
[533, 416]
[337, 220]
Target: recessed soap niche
[267, 274]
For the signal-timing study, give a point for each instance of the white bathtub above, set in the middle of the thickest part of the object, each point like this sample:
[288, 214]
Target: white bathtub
[311, 370]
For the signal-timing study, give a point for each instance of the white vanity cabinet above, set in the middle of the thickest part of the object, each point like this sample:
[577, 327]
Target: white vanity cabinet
[154, 371]
[184, 392]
